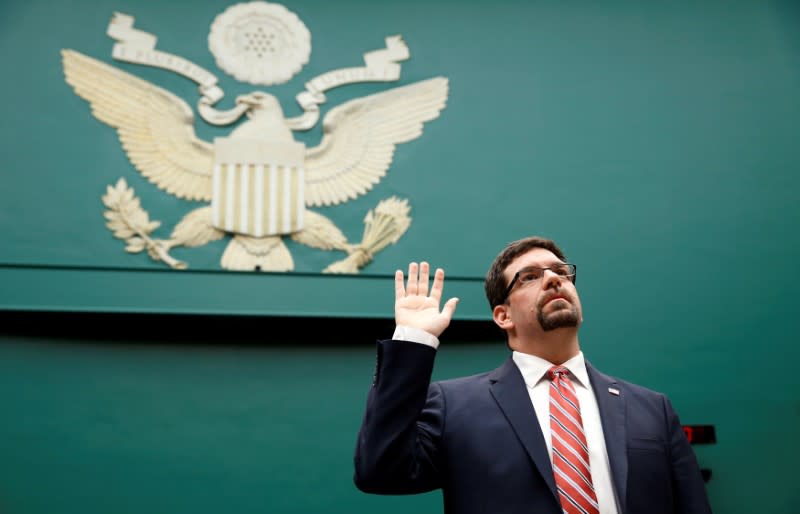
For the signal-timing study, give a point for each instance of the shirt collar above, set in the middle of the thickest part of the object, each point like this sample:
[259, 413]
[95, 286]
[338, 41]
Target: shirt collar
[535, 368]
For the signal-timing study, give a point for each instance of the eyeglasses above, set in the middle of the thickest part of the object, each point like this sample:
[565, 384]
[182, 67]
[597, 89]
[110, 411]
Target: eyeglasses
[533, 273]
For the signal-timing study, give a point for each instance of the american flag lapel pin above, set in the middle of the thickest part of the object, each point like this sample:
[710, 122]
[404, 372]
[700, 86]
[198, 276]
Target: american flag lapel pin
[613, 391]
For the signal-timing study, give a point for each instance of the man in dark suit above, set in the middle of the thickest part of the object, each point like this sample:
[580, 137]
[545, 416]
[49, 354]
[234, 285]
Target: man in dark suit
[543, 433]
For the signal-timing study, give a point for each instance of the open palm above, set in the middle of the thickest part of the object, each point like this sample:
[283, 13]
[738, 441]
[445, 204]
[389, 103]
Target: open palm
[415, 307]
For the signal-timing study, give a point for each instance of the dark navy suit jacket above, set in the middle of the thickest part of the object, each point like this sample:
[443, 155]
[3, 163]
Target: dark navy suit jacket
[478, 439]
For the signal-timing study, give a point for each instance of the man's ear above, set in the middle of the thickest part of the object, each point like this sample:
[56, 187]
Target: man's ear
[502, 317]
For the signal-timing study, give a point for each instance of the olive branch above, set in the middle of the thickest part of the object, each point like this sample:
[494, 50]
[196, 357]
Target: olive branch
[128, 221]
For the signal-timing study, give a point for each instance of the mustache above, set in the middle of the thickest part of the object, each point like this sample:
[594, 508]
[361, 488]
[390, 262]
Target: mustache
[552, 296]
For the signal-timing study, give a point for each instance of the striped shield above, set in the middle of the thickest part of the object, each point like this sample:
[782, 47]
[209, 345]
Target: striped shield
[257, 187]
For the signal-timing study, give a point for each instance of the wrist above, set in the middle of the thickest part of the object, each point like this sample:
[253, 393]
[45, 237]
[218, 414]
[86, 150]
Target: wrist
[415, 335]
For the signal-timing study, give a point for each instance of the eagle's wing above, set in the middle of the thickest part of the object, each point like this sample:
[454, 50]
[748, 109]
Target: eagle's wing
[359, 137]
[154, 126]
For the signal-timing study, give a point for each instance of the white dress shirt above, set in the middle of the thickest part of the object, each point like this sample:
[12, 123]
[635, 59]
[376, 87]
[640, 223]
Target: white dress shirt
[534, 372]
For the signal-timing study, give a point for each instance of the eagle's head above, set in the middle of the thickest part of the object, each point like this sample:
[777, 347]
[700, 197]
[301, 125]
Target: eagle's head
[259, 100]
[266, 119]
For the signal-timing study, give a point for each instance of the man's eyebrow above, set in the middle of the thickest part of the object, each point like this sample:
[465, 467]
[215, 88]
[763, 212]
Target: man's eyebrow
[540, 266]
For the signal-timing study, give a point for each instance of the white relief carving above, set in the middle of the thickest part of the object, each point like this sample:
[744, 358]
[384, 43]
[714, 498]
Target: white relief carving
[260, 43]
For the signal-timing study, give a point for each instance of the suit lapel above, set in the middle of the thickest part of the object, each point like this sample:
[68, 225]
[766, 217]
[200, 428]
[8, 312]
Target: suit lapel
[509, 391]
[612, 416]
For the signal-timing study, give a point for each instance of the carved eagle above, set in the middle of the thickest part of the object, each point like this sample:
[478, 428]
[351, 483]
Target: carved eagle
[156, 130]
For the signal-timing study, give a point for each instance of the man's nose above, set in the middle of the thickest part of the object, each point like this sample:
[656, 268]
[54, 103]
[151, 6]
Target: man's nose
[551, 280]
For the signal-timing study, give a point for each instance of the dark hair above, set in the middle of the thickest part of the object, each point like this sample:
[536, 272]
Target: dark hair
[495, 283]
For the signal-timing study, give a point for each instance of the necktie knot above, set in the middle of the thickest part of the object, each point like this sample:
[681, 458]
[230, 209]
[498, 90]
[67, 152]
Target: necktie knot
[557, 372]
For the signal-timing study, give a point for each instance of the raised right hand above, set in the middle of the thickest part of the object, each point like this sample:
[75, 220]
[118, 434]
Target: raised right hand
[414, 307]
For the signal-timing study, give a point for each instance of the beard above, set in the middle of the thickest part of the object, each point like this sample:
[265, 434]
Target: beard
[559, 318]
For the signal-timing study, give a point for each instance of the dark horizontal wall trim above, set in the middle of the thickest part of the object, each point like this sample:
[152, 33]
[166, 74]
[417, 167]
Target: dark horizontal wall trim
[221, 329]
[211, 294]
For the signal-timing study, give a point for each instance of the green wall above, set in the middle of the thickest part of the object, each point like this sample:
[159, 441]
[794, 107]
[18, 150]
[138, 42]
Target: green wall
[200, 419]
[655, 141]
[221, 414]
[640, 131]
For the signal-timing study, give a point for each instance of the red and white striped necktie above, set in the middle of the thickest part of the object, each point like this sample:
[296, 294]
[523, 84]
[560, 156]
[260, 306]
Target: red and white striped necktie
[570, 453]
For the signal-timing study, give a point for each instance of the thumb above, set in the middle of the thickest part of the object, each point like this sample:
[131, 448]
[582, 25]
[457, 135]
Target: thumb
[450, 307]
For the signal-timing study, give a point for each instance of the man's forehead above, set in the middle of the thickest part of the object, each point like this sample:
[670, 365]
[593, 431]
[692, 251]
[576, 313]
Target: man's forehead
[540, 257]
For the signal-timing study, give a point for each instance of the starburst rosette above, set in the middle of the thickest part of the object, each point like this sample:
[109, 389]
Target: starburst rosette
[260, 43]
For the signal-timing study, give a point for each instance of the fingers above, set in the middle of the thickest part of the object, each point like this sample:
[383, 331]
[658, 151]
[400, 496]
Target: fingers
[417, 284]
[438, 284]
[422, 285]
[412, 287]
[450, 307]
[399, 290]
